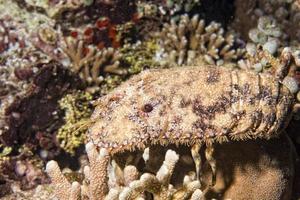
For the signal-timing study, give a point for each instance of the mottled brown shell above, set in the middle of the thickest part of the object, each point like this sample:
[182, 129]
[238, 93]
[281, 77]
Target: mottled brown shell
[190, 105]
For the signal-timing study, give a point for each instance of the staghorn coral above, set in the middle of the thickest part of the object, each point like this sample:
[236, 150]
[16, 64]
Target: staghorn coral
[95, 174]
[77, 108]
[132, 188]
[188, 40]
[90, 63]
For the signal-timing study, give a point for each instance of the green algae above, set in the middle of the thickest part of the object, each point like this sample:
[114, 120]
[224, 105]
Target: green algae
[78, 108]
[4, 151]
[140, 56]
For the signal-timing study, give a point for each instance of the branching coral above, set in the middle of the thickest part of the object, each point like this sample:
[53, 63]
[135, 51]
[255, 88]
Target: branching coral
[77, 108]
[95, 174]
[188, 40]
[96, 184]
[32, 34]
[159, 185]
[89, 63]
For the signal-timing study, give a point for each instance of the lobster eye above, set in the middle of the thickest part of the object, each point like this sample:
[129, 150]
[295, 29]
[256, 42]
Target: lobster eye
[147, 108]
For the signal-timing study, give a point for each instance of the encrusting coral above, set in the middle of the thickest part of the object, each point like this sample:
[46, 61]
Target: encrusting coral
[190, 39]
[96, 184]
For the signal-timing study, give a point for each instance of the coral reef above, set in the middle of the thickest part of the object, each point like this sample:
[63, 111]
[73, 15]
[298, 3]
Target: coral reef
[100, 22]
[58, 56]
[25, 170]
[48, 40]
[29, 20]
[8, 36]
[190, 39]
[168, 7]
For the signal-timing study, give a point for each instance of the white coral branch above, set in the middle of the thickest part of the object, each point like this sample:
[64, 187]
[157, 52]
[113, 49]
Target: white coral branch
[95, 174]
[128, 187]
[61, 184]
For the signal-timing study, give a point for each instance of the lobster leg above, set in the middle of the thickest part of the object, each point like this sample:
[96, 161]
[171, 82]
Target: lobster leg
[197, 159]
[209, 151]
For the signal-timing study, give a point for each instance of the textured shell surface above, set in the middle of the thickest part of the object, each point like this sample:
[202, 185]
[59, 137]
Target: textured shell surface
[188, 105]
